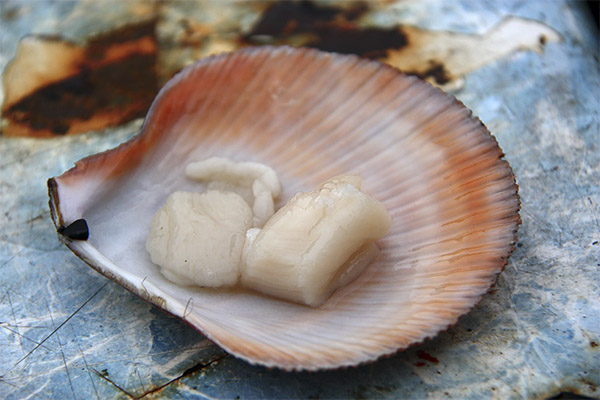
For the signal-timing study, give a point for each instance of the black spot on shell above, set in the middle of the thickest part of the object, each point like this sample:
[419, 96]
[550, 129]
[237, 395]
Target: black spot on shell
[78, 230]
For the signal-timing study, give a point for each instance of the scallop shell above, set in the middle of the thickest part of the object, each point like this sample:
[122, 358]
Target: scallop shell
[310, 115]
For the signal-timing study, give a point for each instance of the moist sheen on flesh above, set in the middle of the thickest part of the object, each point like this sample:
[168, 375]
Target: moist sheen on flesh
[197, 238]
[316, 242]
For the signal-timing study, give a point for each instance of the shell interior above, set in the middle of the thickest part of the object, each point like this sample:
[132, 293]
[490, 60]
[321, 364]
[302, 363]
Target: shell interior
[310, 115]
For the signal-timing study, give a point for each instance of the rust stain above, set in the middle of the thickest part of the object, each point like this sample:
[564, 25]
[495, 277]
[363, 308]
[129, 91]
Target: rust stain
[158, 392]
[439, 57]
[434, 70]
[426, 356]
[114, 77]
[10, 13]
[443, 58]
[109, 81]
[328, 28]
[567, 393]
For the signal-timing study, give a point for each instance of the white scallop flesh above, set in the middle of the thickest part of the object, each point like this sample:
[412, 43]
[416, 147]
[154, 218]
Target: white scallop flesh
[258, 184]
[316, 242]
[197, 238]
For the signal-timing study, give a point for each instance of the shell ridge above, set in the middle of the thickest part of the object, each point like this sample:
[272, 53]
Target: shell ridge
[436, 164]
[285, 68]
[348, 105]
[274, 148]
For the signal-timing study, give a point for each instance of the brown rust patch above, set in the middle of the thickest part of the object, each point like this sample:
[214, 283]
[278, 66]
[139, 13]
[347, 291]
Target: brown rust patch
[436, 56]
[442, 58]
[10, 13]
[426, 356]
[286, 18]
[198, 368]
[109, 81]
[113, 77]
[368, 42]
[568, 394]
[325, 28]
[436, 72]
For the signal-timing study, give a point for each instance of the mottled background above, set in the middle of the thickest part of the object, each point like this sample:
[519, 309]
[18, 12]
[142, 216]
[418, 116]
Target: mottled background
[528, 69]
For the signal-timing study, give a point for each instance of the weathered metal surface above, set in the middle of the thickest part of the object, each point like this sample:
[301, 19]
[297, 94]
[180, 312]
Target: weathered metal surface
[67, 332]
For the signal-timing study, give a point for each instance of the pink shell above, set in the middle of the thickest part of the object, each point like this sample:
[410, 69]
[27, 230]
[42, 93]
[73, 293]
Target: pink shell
[310, 115]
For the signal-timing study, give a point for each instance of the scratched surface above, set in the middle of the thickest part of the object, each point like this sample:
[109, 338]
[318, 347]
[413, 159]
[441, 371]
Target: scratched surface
[67, 332]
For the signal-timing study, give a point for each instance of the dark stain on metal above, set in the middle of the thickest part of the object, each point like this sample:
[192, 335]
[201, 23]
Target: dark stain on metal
[326, 28]
[336, 29]
[126, 33]
[436, 70]
[190, 371]
[285, 18]
[570, 396]
[114, 82]
[426, 356]
[10, 13]
[593, 344]
[368, 42]
[78, 230]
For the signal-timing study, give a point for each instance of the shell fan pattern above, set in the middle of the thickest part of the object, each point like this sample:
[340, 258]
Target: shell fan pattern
[310, 115]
